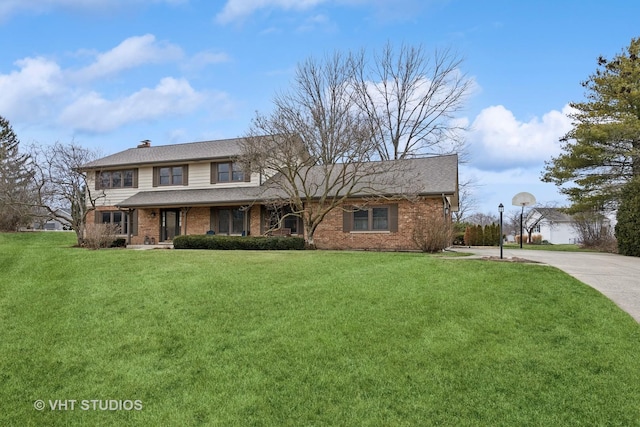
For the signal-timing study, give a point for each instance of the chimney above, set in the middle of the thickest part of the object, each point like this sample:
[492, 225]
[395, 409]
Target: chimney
[144, 144]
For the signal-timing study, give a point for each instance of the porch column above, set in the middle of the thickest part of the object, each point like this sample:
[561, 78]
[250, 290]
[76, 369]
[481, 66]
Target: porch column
[183, 212]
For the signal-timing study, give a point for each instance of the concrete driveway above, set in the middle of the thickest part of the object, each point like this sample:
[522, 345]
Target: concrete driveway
[615, 276]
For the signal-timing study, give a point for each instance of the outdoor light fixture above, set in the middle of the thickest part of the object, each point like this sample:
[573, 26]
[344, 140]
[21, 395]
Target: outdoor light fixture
[501, 210]
[153, 214]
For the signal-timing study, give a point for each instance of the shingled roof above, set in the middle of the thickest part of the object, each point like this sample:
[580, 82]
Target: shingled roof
[191, 151]
[420, 176]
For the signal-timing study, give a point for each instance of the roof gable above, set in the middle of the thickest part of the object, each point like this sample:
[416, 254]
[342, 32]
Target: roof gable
[553, 214]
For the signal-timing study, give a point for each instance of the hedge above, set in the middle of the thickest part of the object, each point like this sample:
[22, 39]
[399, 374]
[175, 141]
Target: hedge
[259, 243]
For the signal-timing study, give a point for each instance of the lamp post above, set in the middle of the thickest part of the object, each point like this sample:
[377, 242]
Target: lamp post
[501, 210]
[521, 226]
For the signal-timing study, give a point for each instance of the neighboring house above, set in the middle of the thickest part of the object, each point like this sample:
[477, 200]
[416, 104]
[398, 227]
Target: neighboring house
[157, 193]
[553, 225]
[54, 223]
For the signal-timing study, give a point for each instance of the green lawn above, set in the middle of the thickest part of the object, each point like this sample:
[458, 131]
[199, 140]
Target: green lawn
[305, 339]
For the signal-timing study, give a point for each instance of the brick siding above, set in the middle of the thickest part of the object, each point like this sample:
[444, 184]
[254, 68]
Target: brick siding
[330, 234]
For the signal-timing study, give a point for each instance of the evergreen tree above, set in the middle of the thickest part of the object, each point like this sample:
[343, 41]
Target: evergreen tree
[479, 236]
[602, 151]
[16, 195]
[628, 226]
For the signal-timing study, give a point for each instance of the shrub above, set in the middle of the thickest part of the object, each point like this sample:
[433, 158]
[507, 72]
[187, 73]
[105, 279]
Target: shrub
[97, 236]
[432, 234]
[237, 242]
[629, 219]
[119, 243]
[458, 239]
[526, 239]
[536, 239]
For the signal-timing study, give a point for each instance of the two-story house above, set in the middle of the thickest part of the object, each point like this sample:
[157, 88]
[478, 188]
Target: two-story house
[155, 193]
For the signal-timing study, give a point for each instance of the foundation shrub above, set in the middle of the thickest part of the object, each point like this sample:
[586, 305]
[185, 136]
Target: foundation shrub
[238, 243]
[98, 236]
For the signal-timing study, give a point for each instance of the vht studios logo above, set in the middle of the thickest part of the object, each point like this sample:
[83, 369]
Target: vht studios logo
[88, 405]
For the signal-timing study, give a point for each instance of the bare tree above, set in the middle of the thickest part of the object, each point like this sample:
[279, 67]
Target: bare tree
[594, 230]
[62, 184]
[411, 100]
[467, 202]
[531, 218]
[482, 219]
[318, 147]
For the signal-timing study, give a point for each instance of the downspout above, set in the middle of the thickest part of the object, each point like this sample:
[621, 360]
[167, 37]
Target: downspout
[445, 209]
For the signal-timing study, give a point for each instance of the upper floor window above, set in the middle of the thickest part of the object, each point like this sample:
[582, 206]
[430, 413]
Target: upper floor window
[170, 175]
[127, 178]
[228, 172]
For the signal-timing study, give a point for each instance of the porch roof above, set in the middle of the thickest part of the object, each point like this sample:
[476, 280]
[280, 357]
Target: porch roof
[195, 197]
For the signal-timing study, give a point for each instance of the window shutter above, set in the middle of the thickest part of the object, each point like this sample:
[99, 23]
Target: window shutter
[98, 217]
[247, 219]
[185, 175]
[97, 180]
[134, 221]
[135, 179]
[212, 218]
[214, 174]
[393, 218]
[347, 219]
[156, 172]
[247, 175]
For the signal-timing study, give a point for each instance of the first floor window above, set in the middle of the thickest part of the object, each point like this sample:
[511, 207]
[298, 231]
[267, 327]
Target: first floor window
[278, 218]
[230, 221]
[291, 222]
[374, 218]
[119, 218]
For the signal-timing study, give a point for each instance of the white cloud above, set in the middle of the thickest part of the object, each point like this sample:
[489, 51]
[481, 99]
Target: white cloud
[27, 91]
[239, 9]
[499, 141]
[131, 53]
[170, 97]
[40, 91]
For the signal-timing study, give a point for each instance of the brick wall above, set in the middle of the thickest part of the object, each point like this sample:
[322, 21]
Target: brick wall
[198, 221]
[330, 234]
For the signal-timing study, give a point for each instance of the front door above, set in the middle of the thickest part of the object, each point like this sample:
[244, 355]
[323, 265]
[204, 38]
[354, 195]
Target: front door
[170, 224]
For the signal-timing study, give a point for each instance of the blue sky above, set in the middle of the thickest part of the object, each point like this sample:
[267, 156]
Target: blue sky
[110, 73]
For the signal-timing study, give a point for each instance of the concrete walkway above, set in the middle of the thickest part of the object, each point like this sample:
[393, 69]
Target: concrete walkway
[615, 276]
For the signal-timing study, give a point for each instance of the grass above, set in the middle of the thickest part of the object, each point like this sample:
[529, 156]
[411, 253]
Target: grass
[306, 338]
